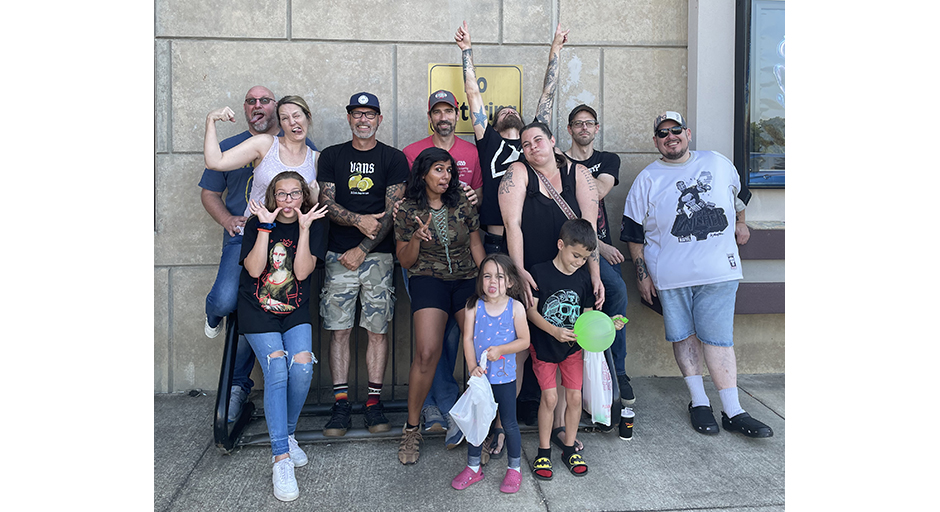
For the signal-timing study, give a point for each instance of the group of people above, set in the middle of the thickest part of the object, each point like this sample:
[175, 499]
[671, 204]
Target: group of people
[504, 243]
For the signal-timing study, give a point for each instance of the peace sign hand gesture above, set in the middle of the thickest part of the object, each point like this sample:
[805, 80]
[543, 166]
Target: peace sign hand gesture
[263, 214]
[424, 232]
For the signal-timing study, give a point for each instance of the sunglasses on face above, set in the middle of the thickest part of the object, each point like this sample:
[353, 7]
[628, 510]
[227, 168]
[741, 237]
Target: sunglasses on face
[662, 133]
[263, 101]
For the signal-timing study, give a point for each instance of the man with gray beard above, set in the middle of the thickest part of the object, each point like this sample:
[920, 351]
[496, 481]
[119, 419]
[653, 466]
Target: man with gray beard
[222, 300]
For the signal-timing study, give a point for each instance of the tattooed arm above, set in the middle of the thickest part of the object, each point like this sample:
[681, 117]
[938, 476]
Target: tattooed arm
[586, 193]
[644, 282]
[470, 85]
[543, 112]
[393, 194]
[511, 200]
[741, 233]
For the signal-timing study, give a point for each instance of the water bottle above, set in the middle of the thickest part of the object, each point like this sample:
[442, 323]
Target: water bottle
[626, 423]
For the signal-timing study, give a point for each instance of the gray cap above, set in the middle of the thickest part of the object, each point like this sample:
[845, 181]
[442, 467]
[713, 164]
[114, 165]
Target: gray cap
[669, 114]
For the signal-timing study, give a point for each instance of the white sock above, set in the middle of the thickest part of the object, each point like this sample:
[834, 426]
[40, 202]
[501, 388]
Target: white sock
[516, 469]
[475, 469]
[697, 389]
[729, 401]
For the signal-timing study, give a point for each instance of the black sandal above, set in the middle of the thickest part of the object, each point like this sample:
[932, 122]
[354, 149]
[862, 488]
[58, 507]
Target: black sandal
[494, 443]
[556, 440]
[575, 461]
[543, 464]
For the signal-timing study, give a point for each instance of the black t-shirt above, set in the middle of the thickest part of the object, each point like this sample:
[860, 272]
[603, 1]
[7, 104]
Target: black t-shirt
[602, 162]
[560, 302]
[496, 154]
[361, 179]
[276, 301]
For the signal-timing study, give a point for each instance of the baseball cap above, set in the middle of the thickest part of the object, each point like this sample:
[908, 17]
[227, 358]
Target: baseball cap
[363, 99]
[669, 114]
[442, 96]
[581, 108]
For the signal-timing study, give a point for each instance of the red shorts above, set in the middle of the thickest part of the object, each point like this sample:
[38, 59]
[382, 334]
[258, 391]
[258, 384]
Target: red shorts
[572, 370]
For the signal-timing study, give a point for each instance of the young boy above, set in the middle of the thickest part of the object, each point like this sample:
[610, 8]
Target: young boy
[564, 292]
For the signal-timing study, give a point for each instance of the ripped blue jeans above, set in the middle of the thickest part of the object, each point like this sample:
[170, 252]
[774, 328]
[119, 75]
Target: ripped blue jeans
[286, 382]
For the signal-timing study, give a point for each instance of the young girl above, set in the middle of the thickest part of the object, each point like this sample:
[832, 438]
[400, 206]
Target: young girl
[495, 321]
[282, 241]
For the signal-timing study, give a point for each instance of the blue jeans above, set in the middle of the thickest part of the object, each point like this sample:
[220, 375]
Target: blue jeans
[444, 389]
[615, 303]
[222, 300]
[286, 382]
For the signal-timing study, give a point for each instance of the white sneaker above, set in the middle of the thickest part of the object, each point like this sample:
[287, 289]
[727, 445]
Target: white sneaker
[212, 332]
[297, 455]
[285, 485]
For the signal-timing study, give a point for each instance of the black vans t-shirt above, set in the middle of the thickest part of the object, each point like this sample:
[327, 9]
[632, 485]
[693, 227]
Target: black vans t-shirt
[276, 301]
[361, 179]
[560, 302]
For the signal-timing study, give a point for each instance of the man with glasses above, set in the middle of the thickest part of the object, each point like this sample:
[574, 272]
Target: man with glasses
[605, 167]
[683, 220]
[442, 116]
[360, 182]
[260, 114]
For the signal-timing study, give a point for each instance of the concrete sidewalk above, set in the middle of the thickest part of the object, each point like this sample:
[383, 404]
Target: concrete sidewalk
[666, 466]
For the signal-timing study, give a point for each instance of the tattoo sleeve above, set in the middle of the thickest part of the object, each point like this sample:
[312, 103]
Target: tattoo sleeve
[544, 110]
[392, 194]
[468, 71]
[334, 211]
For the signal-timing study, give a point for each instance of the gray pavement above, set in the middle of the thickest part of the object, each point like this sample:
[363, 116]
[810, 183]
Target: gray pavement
[666, 466]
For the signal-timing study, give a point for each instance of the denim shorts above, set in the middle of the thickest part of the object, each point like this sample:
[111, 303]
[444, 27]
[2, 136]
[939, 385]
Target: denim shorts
[706, 311]
[371, 283]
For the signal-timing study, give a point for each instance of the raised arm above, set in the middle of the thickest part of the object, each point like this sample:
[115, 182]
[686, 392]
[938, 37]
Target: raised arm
[543, 112]
[251, 150]
[470, 85]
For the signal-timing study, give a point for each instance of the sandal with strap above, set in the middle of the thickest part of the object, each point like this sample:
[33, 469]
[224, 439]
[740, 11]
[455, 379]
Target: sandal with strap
[557, 440]
[494, 443]
[543, 465]
[575, 462]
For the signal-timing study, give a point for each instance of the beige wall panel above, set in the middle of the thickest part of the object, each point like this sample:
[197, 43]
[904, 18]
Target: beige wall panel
[232, 18]
[161, 109]
[528, 21]
[194, 360]
[626, 22]
[760, 343]
[405, 20]
[185, 233]
[208, 75]
[161, 330]
[639, 84]
[579, 82]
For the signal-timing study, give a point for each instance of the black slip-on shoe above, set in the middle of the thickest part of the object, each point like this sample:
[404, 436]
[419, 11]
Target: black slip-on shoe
[746, 425]
[703, 420]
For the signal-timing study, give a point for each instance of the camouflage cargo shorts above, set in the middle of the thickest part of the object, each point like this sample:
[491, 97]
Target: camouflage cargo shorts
[371, 282]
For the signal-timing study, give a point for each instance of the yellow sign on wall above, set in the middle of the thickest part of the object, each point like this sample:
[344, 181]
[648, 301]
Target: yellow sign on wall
[500, 85]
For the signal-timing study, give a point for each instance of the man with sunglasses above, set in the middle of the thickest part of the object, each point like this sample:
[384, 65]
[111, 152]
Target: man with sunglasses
[683, 220]
[259, 107]
[360, 182]
[605, 167]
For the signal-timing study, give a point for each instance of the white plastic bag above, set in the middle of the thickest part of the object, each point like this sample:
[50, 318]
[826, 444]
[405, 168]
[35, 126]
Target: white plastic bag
[474, 411]
[597, 391]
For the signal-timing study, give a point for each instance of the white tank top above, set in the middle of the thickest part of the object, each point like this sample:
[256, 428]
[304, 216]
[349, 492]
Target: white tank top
[271, 165]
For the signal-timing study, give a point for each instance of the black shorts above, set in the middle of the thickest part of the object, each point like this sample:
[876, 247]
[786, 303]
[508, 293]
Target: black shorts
[433, 292]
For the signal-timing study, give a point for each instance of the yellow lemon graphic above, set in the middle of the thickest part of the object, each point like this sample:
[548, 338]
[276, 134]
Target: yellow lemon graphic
[364, 184]
[354, 181]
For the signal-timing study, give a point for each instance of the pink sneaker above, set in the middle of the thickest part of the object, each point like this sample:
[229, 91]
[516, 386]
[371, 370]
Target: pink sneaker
[466, 478]
[511, 482]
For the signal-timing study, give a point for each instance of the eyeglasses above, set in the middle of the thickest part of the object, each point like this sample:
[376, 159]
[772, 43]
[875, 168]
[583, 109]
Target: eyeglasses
[370, 114]
[264, 101]
[579, 124]
[662, 133]
[282, 196]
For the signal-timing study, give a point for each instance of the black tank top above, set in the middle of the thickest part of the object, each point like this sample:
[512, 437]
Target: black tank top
[542, 218]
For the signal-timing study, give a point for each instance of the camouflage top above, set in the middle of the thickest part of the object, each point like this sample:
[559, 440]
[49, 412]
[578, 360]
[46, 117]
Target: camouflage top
[432, 257]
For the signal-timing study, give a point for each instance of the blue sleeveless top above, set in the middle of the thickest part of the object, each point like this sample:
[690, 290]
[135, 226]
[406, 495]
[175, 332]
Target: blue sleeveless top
[490, 331]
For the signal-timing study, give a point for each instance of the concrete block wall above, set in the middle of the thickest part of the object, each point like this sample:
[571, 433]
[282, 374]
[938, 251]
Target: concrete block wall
[626, 58]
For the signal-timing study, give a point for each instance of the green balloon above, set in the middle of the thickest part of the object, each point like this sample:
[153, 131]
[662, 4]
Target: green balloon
[595, 331]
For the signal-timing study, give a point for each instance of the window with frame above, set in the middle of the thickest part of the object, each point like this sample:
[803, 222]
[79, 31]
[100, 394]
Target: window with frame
[760, 93]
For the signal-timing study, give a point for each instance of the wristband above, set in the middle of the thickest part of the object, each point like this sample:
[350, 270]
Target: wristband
[260, 230]
[266, 226]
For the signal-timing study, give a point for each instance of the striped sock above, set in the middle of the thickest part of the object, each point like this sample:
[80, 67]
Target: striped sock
[341, 391]
[375, 390]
